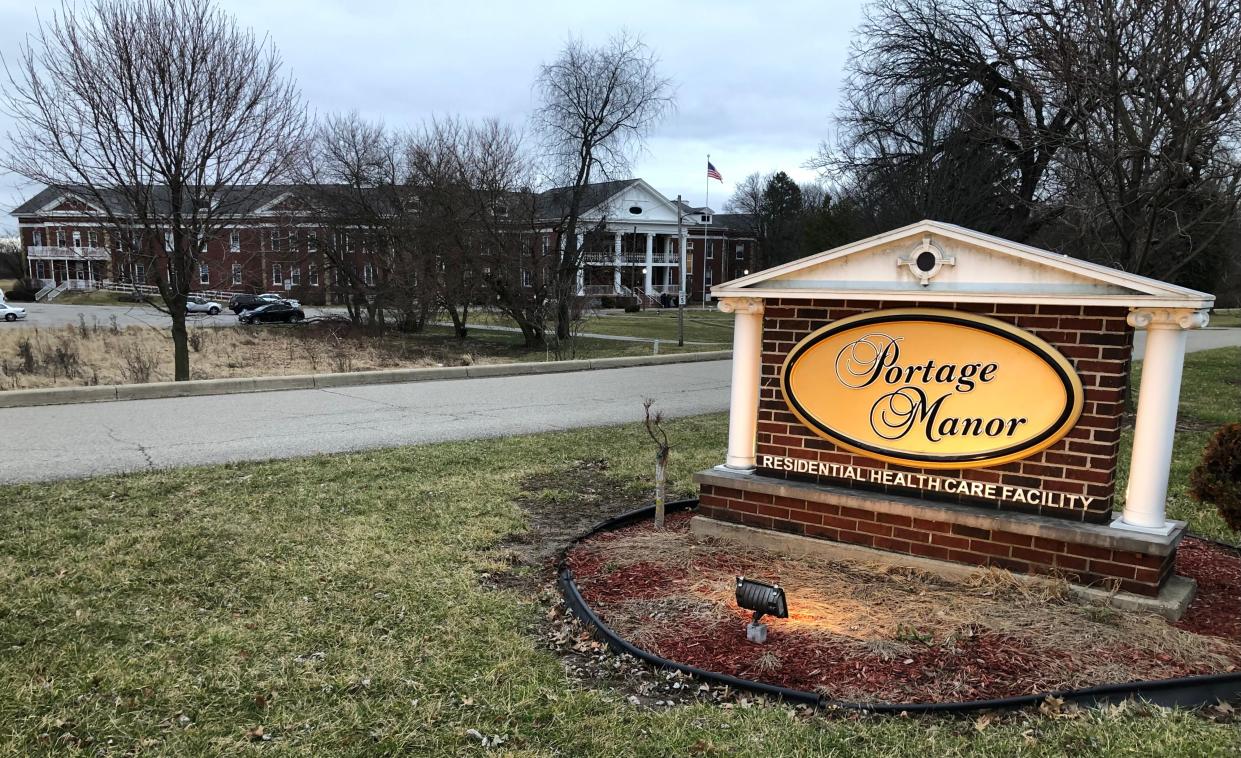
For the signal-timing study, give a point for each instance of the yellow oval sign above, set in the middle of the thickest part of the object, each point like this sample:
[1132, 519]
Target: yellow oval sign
[932, 388]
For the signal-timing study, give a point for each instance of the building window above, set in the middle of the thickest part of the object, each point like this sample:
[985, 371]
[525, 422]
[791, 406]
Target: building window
[312, 273]
[740, 251]
[140, 273]
[168, 242]
[368, 275]
[77, 239]
[295, 274]
[547, 244]
[60, 238]
[689, 245]
[312, 242]
[234, 241]
[526, 279]
[710, 251]
[36, 238]
[293, 240]
[346, 243]
[708, 273]
[40, 270]
[204, 274]
[275, 240]
[92, 239]
[277, 278]
[237, 274]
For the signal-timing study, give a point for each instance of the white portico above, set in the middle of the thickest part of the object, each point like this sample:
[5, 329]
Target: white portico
[631, 240]
[938, 265]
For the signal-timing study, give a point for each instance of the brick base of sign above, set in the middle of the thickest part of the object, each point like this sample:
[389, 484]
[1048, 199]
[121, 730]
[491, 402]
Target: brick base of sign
[1082, 553]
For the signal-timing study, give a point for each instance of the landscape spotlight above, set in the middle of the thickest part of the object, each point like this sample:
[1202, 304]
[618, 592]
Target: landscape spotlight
[763, 599]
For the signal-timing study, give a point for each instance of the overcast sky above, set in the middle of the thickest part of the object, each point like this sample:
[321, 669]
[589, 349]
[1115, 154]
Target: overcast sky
[756, 82]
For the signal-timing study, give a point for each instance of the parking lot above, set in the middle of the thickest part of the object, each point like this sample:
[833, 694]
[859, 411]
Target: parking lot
[52, 315]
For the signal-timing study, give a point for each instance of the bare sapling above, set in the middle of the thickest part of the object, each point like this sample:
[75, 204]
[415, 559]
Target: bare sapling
[655, 429]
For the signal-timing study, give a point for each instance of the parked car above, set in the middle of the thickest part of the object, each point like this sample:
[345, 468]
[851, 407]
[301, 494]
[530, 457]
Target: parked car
[11, 313]
[239, 303]
[202, 305]
[272, 312]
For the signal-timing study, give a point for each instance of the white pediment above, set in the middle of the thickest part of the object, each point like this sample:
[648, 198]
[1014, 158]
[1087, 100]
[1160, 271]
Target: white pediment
[618, 209]
[972, 267]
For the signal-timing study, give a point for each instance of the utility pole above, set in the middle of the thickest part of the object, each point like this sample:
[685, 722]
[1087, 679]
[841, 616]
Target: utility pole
[681, 295]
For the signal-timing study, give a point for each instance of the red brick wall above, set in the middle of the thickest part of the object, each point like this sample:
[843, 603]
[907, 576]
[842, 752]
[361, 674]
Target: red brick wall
[1082, 564]
[1096, 340]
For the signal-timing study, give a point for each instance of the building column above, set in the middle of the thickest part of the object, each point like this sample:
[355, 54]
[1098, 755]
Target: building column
[747, 369]
[616, 263]
[682, 262]
[650, 264]
[581, 267]
[1155, 426]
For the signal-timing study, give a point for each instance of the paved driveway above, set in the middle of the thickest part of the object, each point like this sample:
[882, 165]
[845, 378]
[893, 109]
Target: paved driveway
[63, 441]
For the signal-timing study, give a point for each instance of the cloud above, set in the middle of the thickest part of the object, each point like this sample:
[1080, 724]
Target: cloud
[757, 83]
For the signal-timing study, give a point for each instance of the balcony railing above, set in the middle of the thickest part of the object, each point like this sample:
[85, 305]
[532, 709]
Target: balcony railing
[627, 259]
[47, 253]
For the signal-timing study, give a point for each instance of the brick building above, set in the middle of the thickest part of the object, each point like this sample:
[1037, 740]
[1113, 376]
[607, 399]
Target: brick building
[632, 247]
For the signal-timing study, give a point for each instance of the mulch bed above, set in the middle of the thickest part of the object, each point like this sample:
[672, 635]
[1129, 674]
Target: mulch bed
[878, 634]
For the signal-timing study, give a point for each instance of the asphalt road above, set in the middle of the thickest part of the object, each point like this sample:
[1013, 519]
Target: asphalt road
[56, 315]
[68, 441]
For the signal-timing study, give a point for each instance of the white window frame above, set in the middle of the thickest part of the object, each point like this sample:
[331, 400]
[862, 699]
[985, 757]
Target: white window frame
[36, 238]
[368, 274]
[204, 273]
[709, 273]
[277, 275]
[312, 275]
[740, 251]
[237, 274]
[234, 241]
[312, 242]
[295, 275]
[274, 240]
[527, 279]
[140, 273]
[60, 238]
[168, 243]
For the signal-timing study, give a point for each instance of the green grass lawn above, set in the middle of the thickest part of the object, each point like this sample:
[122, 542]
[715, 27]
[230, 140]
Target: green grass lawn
[701, 325]
[340, 603]
[1230, 317]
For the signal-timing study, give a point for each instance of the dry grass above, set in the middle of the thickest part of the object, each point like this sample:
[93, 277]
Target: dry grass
[101, 353]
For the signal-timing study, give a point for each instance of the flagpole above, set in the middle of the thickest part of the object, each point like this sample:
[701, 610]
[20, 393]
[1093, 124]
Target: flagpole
[706, 203]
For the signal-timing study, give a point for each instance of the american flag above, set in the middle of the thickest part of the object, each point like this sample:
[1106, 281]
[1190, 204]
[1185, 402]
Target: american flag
[713, 174]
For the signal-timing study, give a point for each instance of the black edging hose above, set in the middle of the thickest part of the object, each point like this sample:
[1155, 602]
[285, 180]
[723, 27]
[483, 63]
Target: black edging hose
[1183, 692]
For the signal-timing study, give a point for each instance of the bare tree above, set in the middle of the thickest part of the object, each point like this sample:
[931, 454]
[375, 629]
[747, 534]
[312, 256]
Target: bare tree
[1151, 177]
[165, 116]
[1110, 129]
[654, 428]
[597, 104]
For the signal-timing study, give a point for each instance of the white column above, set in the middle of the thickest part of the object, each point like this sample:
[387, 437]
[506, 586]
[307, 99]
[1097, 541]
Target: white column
[581, 269]
[616, 263]
[1155, 426]
[682, 262]
[747, 370]
[650, 264]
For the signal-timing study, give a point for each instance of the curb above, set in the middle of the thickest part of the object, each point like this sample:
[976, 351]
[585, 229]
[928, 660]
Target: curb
[202, 387]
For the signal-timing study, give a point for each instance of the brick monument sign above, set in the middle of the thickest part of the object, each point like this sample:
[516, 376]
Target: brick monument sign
[952, 396]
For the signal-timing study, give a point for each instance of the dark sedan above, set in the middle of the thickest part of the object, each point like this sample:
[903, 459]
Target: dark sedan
[272, 313]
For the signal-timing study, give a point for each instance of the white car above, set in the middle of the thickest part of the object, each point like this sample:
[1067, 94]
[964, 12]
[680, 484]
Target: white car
[202, 305]
[10, 313]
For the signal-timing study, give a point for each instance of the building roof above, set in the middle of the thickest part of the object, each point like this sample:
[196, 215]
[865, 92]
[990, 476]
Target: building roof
[554, 203]
[969, 266]
[238, 199]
